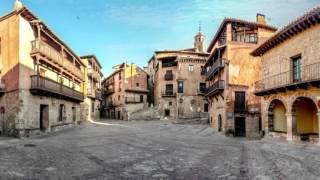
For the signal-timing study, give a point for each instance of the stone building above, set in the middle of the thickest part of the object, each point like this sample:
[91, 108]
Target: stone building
[231, 73]
[124, 91]
[178, 81]
[90, 108]
[290, 82]
[41, 77]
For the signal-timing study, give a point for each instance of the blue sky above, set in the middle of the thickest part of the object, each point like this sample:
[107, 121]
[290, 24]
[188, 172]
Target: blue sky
[131, 30]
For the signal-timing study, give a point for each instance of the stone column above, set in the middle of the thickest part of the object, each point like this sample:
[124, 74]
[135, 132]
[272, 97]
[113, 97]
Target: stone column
[289, 126]
[318, 114]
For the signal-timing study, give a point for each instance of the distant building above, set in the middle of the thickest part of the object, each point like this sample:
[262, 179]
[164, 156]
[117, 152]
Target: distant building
[177, 81]
[290, 82]
[90, 108]
[41, 77]
[231, 72]
[124, 91]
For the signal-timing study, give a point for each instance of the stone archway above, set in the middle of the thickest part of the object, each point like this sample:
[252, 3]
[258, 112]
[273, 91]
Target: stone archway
[305, 121]
[277, 121]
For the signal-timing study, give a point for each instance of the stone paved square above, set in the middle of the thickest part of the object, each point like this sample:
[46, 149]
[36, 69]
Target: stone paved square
[153, 150]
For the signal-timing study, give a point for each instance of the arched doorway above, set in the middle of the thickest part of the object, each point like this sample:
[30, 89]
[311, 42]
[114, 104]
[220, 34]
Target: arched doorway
[305, 120]
[277, 121]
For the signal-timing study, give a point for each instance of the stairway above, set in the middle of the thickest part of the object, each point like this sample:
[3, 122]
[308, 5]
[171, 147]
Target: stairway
[147, 114]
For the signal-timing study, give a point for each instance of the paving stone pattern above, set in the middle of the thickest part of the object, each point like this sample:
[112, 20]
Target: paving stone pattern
[154, 150]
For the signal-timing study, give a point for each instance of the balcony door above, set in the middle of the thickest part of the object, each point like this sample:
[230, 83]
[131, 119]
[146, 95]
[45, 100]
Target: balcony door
[240, 101]
[296, 69]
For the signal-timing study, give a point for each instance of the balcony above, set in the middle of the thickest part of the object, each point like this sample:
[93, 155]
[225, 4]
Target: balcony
[90, 92]
[169, 64]
[168, 77]
[47, 87]
[283, 82]
[168, 93]
[133, 100]
[215, 89]
[93, 73]
[55, 56]
[98, 94]
[215, 68]
[109, 91]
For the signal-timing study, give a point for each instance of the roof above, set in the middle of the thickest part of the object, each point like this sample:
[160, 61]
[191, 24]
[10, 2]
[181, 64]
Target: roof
[29, 16]
[234, 20]
[121, 65]
[294, 28]
[92, 56]
[187, 51]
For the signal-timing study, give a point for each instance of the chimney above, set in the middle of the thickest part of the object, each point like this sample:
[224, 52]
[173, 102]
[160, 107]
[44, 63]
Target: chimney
[18, 5]
[261, 19]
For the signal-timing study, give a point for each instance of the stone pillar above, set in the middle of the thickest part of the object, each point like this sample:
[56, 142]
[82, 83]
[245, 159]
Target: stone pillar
[289, 126]
[318, 114]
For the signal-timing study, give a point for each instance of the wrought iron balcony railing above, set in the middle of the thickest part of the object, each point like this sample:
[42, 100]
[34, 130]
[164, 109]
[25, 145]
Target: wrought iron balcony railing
[309, 76]
[217, 65]
[44, 86]
[215, 88]
[57, 57]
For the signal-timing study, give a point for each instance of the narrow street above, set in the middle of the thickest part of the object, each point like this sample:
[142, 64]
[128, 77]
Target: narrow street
[153, 150]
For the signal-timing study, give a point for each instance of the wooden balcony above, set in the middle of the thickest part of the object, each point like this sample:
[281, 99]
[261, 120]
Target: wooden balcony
[215, 89]
[130, 100]
[47, 87]
[283, 82]
[93, 73]
[109, 91]
[98, 94]
[168, 93]
[215, 68]
[47, 51]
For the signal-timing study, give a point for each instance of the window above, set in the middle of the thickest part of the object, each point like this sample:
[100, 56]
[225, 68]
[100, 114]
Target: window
[119, 98]
[170, 103]
[169, 89]
[296, 69]
[190, 68]
[138, 84]
[206, 107]
[202, 87]
[180, 86]
[92, 107]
